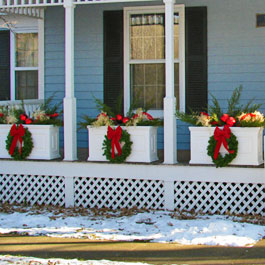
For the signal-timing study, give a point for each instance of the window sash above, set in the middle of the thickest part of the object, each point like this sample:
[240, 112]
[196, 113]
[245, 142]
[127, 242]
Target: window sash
[147, 80]
[26, 88]
[26, 49]
[144, 34]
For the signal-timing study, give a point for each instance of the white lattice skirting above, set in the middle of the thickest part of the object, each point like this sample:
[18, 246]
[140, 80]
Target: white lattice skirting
[143, 186]
[32, 189]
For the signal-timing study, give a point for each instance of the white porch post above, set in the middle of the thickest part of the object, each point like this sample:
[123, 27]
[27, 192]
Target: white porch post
[170, 133]
[70, 142]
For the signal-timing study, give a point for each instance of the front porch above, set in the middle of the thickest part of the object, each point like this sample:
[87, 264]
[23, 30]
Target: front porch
[75, 69]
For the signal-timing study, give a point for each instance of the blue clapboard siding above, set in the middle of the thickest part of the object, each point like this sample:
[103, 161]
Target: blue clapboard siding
[54, 56]
[235, 55]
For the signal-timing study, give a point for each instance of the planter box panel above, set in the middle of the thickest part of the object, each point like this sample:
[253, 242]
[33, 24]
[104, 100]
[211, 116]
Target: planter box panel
[95, 141]
[250, 151]
[144, 147]
[45, 139]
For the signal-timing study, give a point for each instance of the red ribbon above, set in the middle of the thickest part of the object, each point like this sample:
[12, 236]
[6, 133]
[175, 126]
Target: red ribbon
[220, 136]
[149, 117]
[17, 133]
[248, 114]
[115, 136]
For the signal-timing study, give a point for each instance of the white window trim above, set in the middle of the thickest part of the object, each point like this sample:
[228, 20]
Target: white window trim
[40, 30]
[180, 9]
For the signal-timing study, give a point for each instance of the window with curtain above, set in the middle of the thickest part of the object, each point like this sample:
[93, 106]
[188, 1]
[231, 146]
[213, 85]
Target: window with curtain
[26, 66]
[147, 59]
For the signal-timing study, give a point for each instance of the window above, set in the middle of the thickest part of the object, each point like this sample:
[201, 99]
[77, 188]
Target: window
[145, 57]
[26, 66]
[22, 59]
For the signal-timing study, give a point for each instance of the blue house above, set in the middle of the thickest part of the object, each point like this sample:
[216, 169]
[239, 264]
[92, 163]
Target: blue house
[155, 54]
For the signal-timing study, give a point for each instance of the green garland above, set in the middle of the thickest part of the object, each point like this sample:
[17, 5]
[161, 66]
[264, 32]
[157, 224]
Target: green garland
[126, 149]
[223, 161]
[26, 148]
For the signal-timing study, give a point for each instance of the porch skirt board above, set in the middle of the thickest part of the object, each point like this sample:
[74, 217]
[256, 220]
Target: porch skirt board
[45, 140]
[250, 145]
[144, 147]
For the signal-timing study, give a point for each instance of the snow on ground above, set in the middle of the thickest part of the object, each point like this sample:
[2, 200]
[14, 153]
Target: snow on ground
[129, 225]
[7, 260]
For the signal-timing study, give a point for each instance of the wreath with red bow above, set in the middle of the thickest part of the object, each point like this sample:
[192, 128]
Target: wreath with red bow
[117, 140]
[226, 138]
[19, 142]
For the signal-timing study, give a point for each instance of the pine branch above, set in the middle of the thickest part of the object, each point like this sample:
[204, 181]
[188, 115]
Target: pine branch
[86, 121]
[188, 118]
[215, 108]
[103, 107]
[233, 102]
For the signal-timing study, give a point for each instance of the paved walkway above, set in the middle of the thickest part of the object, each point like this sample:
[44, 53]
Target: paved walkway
[153, 253]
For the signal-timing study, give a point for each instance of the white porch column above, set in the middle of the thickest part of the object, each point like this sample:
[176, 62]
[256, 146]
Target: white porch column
[170, 134]
[70, 141]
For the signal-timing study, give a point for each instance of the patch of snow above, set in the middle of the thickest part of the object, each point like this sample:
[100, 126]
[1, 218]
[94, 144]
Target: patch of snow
[7, 260]
[157, 226]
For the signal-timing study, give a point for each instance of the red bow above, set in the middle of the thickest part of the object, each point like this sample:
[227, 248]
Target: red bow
[220, 136]
[17, 133]
[115, 136]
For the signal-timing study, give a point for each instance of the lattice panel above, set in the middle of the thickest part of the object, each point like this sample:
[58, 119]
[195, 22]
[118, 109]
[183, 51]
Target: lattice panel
[215, 197]
[118, 193]
[32, 189]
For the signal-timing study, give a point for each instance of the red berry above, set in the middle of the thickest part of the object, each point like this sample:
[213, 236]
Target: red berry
[23, 117]
[119, 117]
[28, 121]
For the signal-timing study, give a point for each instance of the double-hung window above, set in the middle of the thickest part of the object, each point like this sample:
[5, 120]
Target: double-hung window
[144, 33]
[25, 70]
[22, 59]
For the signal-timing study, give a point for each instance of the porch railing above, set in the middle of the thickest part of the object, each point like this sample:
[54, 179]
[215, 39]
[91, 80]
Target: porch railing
[42, 3]
[29, 105]
[29, 3]
[234, 190]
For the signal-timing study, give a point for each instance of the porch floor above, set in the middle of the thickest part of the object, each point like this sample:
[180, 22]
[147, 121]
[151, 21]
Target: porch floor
[183, 156]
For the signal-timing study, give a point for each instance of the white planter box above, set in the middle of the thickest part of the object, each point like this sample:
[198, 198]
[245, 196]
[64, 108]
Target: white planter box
[249, 145]
[45, 139]
[144, 147]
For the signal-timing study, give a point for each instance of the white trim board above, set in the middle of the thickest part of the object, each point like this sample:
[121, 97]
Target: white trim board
[135, 171]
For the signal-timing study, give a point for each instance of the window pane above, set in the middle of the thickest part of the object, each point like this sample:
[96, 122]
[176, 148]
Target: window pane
[26, 84]
[176, 36]
[148, 85]
[26, 50]
[147, 36]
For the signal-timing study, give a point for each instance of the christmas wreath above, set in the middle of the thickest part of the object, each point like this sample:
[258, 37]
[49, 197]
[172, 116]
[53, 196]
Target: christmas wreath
[19, 135]
[113, 141]
[229, 140]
